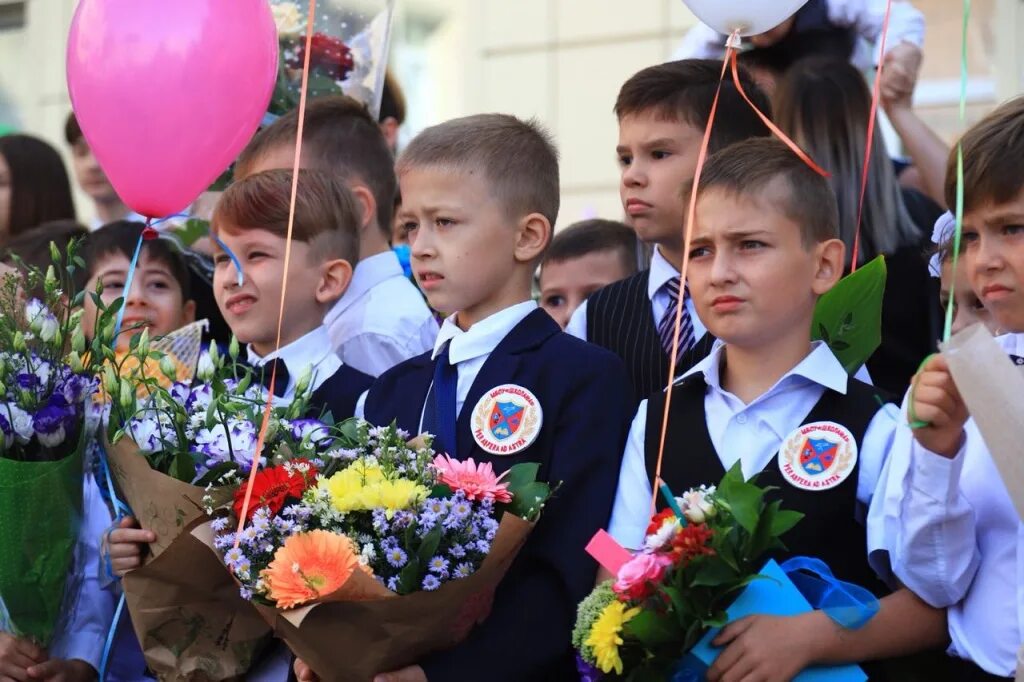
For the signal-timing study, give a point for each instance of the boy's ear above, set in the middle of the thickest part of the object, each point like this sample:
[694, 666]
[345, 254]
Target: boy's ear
[831, 258]
[532, 238]
[367, 206]
[188, 313]
[334, 280]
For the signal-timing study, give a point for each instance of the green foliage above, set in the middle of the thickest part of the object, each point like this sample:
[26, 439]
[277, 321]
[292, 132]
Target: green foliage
[849, 317]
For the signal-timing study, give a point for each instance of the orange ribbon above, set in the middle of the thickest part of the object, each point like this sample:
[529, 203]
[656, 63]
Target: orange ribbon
[284, 276]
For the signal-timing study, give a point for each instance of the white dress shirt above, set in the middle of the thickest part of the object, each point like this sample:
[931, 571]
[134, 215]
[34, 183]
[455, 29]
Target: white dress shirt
[661, 272]
[382, 319]
[312, 351]
[958, 541]
[752, 434]
[906, 24]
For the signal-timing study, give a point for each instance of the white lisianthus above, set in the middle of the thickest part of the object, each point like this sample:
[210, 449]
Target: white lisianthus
[698, 504]
[21, 422]
[204, 371]
[288, 18]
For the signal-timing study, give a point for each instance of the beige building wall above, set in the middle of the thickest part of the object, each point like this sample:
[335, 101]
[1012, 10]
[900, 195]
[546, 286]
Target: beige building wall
[561, 61]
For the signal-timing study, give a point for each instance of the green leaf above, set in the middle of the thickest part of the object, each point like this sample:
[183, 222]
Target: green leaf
[849, 317]
[528, 502]
[651, 628]
[431, 541]
[521, 475]
[214, 474]
[183, 468]
[193, 230]
[784, 521]
[409, 576]
[743, 499]
[440, 491]
[713, 573]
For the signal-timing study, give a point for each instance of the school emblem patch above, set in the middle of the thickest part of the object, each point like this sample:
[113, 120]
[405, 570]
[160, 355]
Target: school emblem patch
[818, 456]
[507, 419]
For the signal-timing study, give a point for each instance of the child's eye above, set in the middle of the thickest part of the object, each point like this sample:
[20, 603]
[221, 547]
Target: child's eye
[699, 251]
[625, 160]
[444, 222]
[969, 236]
[661, 155]
[752, 245]
[409, 228]
[1013, 229]
[113, 285]
[159, 284]
[257, 255]
[554, 301]
[221, 259]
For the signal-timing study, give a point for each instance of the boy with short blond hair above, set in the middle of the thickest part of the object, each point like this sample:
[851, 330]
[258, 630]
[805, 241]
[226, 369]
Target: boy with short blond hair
[764, 248]
[381, 319]
[479, 196]
[662, 112]
[956, 533]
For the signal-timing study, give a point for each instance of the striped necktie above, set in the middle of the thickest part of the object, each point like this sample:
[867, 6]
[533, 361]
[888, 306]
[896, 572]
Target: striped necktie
[666, 327]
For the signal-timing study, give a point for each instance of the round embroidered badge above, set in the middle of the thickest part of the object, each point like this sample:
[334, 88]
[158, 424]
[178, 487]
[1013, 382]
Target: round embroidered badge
[818, 456]
[507, 419]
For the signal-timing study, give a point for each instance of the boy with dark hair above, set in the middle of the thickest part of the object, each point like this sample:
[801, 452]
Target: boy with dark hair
[764, 248]
[663, 111]
[956, 533]
[93, 181]
[583, 258]
[479, 197]
[382, 319]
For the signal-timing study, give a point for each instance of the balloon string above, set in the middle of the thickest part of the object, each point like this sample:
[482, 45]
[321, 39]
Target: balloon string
[129, 278]
[730, 53]
[958, 230]
[730, 57]
[876, 95]
[284, 275]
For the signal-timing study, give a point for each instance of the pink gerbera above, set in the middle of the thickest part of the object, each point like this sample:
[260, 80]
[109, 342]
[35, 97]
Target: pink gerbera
[477, 481]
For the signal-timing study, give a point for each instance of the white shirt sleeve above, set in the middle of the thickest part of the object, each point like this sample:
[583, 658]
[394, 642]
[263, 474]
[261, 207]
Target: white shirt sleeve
[578, 323]
[84, 635]
[700, 42]
[906, 23]
[871, 486]
[631, 511]
[373, 353]
[360, 411]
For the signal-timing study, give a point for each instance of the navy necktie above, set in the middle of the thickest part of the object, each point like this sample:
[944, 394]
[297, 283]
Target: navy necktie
[280, 380]
[439, 415]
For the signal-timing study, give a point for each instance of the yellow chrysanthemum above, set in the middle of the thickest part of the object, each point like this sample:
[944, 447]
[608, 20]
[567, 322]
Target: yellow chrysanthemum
[605, 637]
[351, 488]
[399, 494]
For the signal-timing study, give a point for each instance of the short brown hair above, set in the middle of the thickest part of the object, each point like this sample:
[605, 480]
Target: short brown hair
[327, 215]
[683, 91]
[747, 169]
[992, 150]
[340, 137]
[592, 236]
[517, 159]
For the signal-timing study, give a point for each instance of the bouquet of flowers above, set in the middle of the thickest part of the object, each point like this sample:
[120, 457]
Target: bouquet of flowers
[174, 445]
[697, 557]
[378, 551]
[348, 53]
[46, 384]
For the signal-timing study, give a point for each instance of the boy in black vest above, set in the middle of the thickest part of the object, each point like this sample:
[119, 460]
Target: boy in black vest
[504, 384]
[662, 112]
[764, 249]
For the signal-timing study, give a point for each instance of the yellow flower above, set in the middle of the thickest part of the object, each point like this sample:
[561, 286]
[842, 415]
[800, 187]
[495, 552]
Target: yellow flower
[399, 494]
[352, 488]
[605, 637]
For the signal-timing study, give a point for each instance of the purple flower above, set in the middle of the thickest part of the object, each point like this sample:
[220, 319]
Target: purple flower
[438, 565]
[588, 673]
[396, 557]
[431, 582]
[314, 428]
[457, 551]
[49, 425]
[463, 570]
[27, 381]
[180, 392]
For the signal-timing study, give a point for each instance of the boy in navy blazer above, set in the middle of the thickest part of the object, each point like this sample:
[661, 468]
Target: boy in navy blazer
[504, 384]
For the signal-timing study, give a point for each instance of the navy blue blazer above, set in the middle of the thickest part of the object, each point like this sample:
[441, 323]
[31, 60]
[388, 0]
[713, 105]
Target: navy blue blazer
[585, 396]
[339, 394]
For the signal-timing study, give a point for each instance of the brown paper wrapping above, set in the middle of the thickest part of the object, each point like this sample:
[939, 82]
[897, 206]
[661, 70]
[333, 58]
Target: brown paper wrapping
[185, 607]
[992, 386]
[364, 629]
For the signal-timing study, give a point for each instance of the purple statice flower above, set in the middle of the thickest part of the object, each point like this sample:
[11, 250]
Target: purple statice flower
[463, 570]
[588, 673]
[431, 582]
[396, 557]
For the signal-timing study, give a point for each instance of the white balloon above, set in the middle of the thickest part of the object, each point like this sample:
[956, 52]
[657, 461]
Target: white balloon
[749, 17]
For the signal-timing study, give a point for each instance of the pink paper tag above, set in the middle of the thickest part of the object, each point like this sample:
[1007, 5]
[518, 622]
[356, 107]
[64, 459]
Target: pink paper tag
[609, 553]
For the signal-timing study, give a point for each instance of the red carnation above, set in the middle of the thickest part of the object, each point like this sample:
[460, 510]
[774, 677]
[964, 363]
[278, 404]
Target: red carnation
[691, 542]
[328, 56]
[658, 520]
[275, 485]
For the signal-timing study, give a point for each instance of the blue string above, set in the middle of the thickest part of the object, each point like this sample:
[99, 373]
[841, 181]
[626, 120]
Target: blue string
[108, 644]
[128, 287]
[231, 255]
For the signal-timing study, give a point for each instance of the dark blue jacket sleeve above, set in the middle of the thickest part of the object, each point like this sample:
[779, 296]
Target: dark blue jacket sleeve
[527, 635]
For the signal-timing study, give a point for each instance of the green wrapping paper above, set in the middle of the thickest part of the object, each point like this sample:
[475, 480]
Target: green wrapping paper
[40, 513]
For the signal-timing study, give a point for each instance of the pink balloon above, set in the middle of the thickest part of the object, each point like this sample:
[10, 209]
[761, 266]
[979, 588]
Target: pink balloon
[168, 92]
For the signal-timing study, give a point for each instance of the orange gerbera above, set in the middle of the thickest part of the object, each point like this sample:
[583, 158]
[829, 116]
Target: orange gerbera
[309, 566]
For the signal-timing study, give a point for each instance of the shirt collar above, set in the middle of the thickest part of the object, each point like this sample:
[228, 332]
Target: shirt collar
[661, 272]
[483, 337]
[306, 351]
[819, 366]
[368, 273]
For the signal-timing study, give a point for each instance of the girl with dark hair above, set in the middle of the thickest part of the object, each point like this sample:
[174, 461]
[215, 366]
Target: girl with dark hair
[34, 186]
[825, 106]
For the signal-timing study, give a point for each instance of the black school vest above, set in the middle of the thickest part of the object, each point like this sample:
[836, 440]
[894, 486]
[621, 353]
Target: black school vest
[619, 318]
[829, 530]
